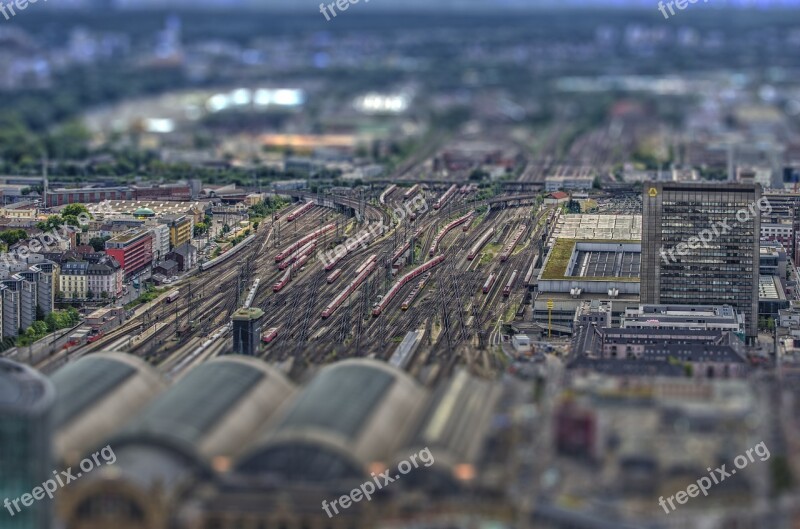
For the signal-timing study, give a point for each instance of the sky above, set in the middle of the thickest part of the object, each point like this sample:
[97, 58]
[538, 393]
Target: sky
[300, 5]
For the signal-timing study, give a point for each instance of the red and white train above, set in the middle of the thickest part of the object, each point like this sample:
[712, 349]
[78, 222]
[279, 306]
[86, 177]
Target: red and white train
[172, 296]
[529, 275]
[386, 193]
[334, 276]
[283, 281]
[509, 249]
[366, 269]
[302, 252]
[510, 284]
[414, 293]
[445, 197]
[476, 248]
[302, 242]
[446, 230]
[403, 282]
[489, 283]
[403, 249]
[268, 336]
[411, 192]
[299, 211]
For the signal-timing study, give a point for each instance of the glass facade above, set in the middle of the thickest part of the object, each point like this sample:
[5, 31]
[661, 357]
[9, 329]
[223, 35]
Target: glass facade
[26, 400]
[700, 245]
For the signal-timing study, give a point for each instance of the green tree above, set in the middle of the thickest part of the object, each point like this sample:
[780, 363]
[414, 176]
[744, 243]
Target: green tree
[73, 210]
[98, 243]
[11, 237]
[68, 141]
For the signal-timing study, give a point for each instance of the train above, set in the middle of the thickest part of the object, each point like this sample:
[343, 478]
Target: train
[302, 261]
[489, 283]
[371, 259]
[302, 252]
[529, 275]
[509, 249]
[414, 293]
[445, 197]
[411, 192]
[510, 284]
[403, 282]
[386, 193]
[302, 242]
[268, 336]
[172, 296]
[435, 246]
[283, 281]
[399, 253]
[476, 248]
[334, 276]
[299, 211]
[227, 255]
[366, 269]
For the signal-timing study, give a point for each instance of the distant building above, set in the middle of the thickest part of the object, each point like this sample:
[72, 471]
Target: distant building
[601, 342]
[28, 292]
[90, 195]
[771, 298]
[26, 403]
[161, 243]
[105, 278]
[781, 231]
[133, 250]
[772, 259]
[185, 255]
[570, 178]
[557, 197]
[247, 331]
[74, 280]
[20, 210]
[687, 317]
[180, 228]
[725, 271]
[176, 191]
[106, 318]
[576, 271]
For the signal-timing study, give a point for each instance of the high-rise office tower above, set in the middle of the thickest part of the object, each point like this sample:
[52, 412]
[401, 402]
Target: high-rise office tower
[700, 245]
[26, 401]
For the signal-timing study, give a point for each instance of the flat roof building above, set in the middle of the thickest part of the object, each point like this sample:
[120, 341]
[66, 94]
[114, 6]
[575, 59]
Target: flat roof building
[689, 317]
[133, 250]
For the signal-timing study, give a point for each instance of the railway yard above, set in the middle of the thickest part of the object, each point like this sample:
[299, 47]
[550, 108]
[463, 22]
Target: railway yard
[380, 290]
